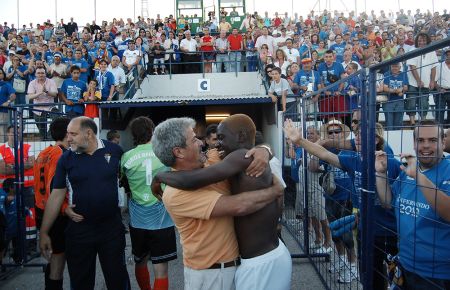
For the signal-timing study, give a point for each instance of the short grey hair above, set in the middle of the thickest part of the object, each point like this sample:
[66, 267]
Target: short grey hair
[170, 134]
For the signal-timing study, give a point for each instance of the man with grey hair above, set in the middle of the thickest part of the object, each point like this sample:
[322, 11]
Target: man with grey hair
[211, 258]
[88, 171]
[118, 72]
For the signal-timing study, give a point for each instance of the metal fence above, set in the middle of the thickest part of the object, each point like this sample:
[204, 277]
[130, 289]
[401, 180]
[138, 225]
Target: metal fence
[203, 62]
[25, 131]
[26, 135]
[344, 225]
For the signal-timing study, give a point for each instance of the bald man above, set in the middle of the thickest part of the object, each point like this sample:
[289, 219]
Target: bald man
[90, 169]
[265, 261]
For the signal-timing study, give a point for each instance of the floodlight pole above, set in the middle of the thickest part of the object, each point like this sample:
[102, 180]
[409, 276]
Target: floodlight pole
[18, 24]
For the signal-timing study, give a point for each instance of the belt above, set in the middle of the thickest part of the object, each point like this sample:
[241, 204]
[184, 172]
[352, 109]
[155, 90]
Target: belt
[233, 263]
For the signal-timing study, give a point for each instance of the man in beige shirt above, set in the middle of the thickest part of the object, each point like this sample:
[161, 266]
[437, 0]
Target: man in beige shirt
[204, 217]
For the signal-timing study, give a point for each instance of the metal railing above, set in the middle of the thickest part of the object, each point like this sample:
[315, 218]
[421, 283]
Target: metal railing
[195, 62]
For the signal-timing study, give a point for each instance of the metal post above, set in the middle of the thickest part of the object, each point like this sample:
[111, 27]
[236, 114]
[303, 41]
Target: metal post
[292, 8]
[95, 11]
[56, 11]
[18, 12]
[19, 177]
[368, 176]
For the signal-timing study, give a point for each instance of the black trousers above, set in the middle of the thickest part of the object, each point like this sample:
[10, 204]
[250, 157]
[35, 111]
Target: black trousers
[81, 261]
[416, 282]
[383, 245]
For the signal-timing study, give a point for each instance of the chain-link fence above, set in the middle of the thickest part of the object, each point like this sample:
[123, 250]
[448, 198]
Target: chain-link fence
[379, 128]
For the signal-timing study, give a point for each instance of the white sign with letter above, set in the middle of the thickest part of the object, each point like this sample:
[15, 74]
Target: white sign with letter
[204, 85]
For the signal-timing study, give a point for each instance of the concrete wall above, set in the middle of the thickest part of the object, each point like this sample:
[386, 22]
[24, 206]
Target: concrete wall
[222, 84]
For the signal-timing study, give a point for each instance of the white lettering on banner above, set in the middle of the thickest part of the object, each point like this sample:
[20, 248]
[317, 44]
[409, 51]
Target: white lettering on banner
[204, 85]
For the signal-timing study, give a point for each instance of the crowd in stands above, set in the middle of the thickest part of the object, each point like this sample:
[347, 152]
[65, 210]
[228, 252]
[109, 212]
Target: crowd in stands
[47, 63]
[336, 45]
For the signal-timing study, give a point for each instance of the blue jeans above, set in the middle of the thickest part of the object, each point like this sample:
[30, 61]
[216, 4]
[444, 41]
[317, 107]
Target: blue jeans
[417, 98]
[393, 113]
[442, 101]
[251, 63]
[235, 61]
[222, 58]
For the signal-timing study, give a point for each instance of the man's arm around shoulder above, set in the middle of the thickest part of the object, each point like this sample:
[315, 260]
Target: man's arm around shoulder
[247, 202]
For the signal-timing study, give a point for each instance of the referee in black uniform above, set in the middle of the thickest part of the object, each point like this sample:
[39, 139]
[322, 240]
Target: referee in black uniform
[89, 172]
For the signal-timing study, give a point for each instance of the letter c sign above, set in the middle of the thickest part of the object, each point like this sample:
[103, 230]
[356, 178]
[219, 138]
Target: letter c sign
[204, 85]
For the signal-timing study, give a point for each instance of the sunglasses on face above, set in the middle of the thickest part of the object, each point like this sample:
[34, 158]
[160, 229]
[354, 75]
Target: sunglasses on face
[331, 132]
[355, 122]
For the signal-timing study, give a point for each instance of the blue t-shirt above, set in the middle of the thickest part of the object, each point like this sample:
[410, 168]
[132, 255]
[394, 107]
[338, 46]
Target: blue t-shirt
[82, 63]
[92, 181]
[295, 164]
[21, 68]
[105, 81]
[303, 78]
[339, 50]
[395, 82]
[49, 58]
[323, 35]
[302, 50]
[6, 90]
[386, 148]
[344, 184]
[384, 219]
[335, 69]
[352, 100]
[424, 236]
[73, 90]
[121, 47]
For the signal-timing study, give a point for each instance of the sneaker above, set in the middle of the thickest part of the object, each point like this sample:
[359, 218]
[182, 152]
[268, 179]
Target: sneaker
[163, 72]
[314, 245]
[155, 73]
[348, 274]
[337, 265]
[324, 250]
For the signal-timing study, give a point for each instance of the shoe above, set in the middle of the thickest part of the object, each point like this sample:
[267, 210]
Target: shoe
[337, 265]
[323, 250]
[314, 245]
[348, 274]
[163, 73]
[155, 73]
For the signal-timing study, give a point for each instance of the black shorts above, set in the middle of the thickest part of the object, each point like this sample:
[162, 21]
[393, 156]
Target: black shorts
[56, 233]
[160, 245]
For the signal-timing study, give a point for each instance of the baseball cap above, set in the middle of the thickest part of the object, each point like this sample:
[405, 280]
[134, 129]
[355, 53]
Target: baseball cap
[306, 60]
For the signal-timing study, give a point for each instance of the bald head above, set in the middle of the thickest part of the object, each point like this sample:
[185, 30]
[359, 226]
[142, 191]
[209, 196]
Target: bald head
[236, 132]
[241, 123]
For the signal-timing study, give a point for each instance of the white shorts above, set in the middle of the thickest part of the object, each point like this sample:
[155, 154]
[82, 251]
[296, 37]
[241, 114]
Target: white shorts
[271, 271]
[209, 279]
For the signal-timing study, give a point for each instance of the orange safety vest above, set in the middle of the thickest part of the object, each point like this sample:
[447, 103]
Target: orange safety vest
[44, 171]
[8, 157]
